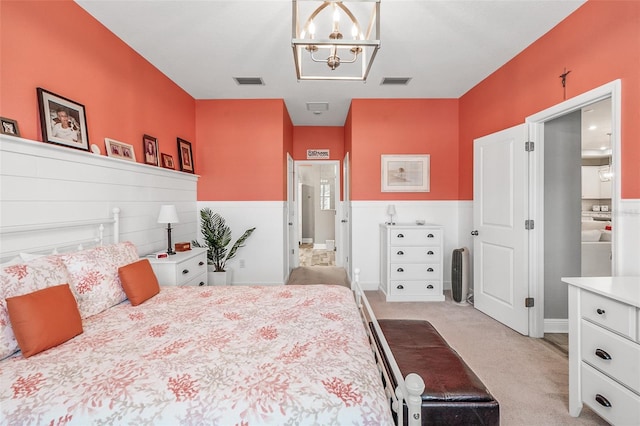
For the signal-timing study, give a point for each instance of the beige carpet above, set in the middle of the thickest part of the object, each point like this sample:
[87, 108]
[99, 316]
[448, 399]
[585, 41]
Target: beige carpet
[529, 377]
[319, 275]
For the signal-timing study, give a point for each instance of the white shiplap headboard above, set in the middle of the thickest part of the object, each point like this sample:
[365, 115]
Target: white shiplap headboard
[45, 186]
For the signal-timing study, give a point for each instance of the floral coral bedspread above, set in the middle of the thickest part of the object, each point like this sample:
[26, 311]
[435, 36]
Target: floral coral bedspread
[286, 355]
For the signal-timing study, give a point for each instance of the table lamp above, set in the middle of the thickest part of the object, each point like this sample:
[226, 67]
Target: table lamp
[168, 214]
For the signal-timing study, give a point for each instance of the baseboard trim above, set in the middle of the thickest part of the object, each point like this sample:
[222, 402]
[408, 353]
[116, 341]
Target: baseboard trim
[556, 325]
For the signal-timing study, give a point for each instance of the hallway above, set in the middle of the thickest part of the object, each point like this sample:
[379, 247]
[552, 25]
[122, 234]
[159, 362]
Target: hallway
[310, 256]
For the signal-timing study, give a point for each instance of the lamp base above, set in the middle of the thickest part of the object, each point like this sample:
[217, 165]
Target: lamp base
[170, 250]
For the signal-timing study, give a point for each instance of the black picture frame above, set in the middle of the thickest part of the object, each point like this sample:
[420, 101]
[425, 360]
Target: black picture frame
[185, 155]
[9, 127]
[63, 121]
[150, 150]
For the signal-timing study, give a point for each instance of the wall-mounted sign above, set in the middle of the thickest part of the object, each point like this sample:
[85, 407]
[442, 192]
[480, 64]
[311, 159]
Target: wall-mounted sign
[317, 154]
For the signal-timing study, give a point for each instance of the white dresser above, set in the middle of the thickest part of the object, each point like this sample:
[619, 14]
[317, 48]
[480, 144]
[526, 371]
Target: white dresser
[183, 268]
[604, 347]
[411, 262]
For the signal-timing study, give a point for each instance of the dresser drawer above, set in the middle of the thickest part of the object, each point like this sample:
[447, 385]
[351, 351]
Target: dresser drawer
[418, 288]
[189, 269]
[414, 271]
[415, 254]
[415, 237]
[616, 356]
[597, 389]
[610, 313]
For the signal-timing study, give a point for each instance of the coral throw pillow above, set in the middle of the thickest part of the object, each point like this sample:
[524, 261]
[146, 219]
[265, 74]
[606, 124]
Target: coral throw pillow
[139, 281]
[44, 319]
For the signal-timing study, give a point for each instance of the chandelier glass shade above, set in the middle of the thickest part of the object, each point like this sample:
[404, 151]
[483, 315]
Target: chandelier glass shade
[335, 40]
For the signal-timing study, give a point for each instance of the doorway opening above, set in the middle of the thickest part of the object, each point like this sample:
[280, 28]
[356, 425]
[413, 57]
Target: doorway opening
[318, 195]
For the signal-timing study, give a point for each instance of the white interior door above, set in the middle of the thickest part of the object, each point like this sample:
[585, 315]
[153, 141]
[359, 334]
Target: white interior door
[345, 225]
[291, 217]
[500, 194]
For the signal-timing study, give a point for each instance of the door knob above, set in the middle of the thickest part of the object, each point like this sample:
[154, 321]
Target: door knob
[344, 221]
[474, 233]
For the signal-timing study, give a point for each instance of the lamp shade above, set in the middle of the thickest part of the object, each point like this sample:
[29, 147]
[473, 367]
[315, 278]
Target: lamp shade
[168, 214]
[391, 209]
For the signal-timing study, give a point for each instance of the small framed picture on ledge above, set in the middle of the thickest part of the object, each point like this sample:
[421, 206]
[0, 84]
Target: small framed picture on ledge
[150, 147]
[9, 127]
[186, 156]
[167, 161]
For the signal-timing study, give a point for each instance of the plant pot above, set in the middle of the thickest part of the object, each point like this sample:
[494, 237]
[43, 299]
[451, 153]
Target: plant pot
[219, 278]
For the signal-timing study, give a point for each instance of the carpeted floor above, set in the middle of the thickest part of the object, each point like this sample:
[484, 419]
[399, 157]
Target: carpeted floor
[319, 275]
[529, 377]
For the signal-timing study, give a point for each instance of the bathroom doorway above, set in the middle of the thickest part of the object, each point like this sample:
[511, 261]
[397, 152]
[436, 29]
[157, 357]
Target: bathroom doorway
[318, 186]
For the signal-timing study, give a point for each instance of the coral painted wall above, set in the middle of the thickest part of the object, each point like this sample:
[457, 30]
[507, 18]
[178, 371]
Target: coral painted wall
[124, 96]
[599, 43]
[403, 126]
[241, 150]
[317, 137]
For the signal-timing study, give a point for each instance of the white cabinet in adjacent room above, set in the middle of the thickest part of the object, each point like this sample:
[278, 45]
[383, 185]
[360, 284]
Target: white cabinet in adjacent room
[411, 266]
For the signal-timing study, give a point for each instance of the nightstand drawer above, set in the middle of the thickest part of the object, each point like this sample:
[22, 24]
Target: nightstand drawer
[189, 269]
[198, 281]
[616, 356]
[609, 313]
[613, 402]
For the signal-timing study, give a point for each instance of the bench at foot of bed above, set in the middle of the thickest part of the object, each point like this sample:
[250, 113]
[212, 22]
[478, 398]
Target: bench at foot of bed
[453, 394]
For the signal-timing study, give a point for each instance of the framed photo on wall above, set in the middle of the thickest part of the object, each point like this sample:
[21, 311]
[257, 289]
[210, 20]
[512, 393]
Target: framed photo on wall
[150, 149]
[167, 161]
[405, 173]
[62, 120]
[9, 127]
[121, 150]
[185, 155]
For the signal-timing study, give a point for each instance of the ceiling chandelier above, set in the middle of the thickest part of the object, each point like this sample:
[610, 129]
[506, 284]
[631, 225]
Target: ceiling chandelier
[322, 52]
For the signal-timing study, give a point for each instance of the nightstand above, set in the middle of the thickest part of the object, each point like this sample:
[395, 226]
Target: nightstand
[183, 268]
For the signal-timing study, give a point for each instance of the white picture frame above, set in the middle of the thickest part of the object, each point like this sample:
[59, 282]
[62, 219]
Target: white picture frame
[121, 150]
[405, 173]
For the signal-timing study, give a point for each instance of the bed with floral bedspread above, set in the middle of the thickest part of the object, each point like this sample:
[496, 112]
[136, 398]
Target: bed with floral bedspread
[285, 355]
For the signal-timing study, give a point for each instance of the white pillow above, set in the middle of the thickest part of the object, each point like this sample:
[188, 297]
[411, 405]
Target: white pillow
[30, 256]
[15, 261]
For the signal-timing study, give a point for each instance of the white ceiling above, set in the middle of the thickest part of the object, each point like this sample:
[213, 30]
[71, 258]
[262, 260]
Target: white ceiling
[445, 46]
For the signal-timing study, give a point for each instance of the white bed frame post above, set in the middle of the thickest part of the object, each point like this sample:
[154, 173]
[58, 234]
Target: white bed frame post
[116, 225]
[409, 389]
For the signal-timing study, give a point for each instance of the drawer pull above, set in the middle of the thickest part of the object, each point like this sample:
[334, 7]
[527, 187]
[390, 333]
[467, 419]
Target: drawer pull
[400, 270]
[430, 253]
[400, 236]
[430, 286]
[602, 354]
[400, 287]
[429, 269]
[429, 235]
[200, 263]
[400, 253]
[602, 400]
[201, 283]
[185, 271]
[600, 311]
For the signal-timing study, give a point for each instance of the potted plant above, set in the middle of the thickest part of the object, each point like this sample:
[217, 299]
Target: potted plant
[217, 237]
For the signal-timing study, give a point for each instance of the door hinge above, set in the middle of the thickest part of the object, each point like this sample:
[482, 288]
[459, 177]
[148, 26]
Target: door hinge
[529, 224]
[528, 302]
[529, 146]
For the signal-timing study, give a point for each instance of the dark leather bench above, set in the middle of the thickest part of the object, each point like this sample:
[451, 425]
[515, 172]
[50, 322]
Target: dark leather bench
[453, 394]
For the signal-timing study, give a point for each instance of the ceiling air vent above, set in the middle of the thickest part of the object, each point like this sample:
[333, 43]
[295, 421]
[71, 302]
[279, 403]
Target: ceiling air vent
[317, 106]
[249, 81]
[395, 81]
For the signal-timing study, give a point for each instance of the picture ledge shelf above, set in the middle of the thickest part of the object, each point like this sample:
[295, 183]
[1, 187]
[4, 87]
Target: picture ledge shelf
[47, 150]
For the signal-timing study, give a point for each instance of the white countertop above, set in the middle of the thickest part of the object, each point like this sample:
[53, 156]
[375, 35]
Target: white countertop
[622, 289]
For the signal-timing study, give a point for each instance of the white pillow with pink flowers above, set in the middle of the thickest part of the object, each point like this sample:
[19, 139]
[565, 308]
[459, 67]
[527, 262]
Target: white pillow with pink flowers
[94, 276]
[25, 278]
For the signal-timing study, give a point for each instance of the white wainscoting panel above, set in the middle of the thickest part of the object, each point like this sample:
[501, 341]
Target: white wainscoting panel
[45, 183]
[627, 238]
[264, 250]
[367, 216]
